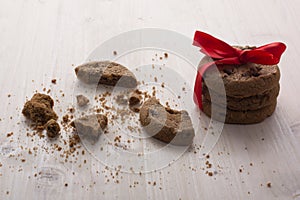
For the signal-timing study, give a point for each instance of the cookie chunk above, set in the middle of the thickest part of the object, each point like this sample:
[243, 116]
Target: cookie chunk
[107, 73]
[165, 124]
[52, 128]
[135, 101]
[82, 100]
[39, 109]
[239, 117]
[247, 103]
[90, 126]
[242, 80]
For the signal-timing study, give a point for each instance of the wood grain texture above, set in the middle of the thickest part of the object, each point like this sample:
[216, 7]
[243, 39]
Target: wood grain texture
[43, 39]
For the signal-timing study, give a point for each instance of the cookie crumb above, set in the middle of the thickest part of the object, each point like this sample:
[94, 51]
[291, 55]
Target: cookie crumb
[9, 134]
[52, 128]
[65, 118]
[269, 184]
[53, 81]
[72, 110]
[115, 53]
[134, 99]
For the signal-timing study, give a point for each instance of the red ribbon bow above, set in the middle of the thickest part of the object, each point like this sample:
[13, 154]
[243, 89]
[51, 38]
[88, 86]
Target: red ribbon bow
[223, 53]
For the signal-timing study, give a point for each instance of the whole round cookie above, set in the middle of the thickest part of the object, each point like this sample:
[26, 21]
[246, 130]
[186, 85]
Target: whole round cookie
[247, 103]
[241, 80]
[240, 117]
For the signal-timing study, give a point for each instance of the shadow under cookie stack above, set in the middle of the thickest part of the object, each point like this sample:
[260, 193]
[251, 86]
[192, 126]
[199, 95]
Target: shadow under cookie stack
[251, 92]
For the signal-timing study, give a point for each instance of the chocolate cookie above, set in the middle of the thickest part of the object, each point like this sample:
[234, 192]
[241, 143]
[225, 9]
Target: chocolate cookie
[247, 103]
[240, 117]
[242, 80]
[107, 73]
[165, 124]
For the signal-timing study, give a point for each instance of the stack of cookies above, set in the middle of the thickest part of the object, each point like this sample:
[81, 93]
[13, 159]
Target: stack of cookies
[251, 92]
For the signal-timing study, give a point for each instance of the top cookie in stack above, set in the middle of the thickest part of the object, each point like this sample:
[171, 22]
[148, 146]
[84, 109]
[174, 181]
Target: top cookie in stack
[251, 92]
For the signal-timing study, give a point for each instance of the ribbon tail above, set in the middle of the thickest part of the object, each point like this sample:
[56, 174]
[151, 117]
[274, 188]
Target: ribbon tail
[198, 84]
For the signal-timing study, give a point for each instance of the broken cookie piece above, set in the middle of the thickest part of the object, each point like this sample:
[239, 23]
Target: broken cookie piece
[165, 124]
[90, 126]
[39, 109]
[82, 100]
[107, 73]
[52, 128]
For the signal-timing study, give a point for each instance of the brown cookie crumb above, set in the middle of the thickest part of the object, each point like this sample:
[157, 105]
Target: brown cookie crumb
[53, 81]
[52, 128]
[74, 140]
[9, 134]
[166, 55]
[82, 100]
[65, 118]
[134, 99]
[269, 184]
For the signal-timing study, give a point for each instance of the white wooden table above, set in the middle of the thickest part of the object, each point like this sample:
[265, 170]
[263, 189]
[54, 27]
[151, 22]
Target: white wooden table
[42, 39]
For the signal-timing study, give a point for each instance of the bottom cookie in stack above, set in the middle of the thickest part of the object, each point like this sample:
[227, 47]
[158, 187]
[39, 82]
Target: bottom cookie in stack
[240, 110]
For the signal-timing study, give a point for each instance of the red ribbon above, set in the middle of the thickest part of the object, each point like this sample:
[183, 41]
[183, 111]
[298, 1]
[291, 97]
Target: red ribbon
[223, 53]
